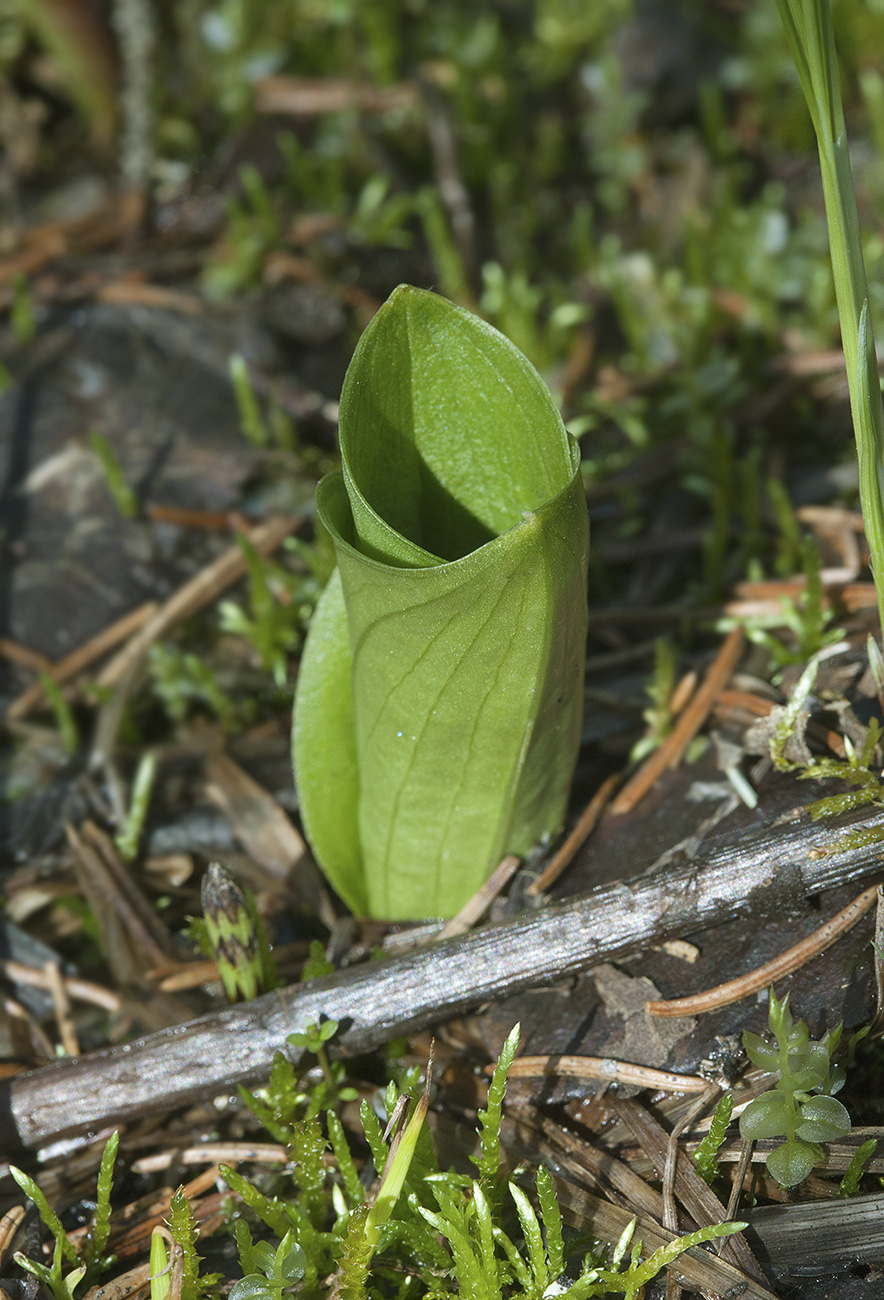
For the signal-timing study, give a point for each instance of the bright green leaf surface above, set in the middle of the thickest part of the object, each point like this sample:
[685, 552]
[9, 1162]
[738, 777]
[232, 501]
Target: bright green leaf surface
[440, 696]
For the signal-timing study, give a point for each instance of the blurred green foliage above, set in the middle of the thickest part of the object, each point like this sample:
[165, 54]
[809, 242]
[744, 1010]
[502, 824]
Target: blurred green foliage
[630, 192]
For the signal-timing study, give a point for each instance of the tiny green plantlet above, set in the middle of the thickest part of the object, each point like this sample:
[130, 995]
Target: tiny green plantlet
[70, 1264]
[706, 1154]
[800, 1107]
[439, 701]
[417, 1232]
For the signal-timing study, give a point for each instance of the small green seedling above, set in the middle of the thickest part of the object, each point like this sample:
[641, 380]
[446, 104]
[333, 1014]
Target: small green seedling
[142, 788]
[439, 700]
[271, 1271]
[280, 603]
[800, 1107]
[64, 714]
[124, 498]
[849, 1185]
[251, 421]
[705, 1156]
[807, 619]
[70, 1267]
[180, 679]
[861, 769]
[658, 717]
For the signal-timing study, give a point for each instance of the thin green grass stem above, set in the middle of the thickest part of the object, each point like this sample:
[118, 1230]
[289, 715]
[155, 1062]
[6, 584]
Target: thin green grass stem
[808, 25]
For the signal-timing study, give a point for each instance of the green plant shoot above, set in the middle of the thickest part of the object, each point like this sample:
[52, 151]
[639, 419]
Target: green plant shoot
[808, 25]
[439, 702]
[800, 1107]
[236, 935]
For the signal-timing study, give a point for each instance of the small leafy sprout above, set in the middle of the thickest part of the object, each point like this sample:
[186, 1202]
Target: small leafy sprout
[271, 1272]
[180, 679]
[807, 619]
[142, 788]
[236, 935]
[399, 1158]
[801, 1106]
[313, 1039]
[488, 1159]
[184, 1232]
[92, 1261]
[705, 1156]
[280, 602]
[849, 1185]
[660, 689]
[124, 498]
[860, 769]
[64, 714]
[251, 421]
[317, 964]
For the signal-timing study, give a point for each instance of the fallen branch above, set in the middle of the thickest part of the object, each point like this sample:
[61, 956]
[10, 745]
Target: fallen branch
[762, 874]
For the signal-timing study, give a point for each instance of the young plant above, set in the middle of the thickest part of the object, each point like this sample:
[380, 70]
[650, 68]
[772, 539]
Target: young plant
[849, 1185]
[123, 496]
[800, 1107]
[142, 788]
[68, 1268]
[706, 1154]
[280, 602]
[439, 701]
[270, 1272]
[861, 769]
[807, 619]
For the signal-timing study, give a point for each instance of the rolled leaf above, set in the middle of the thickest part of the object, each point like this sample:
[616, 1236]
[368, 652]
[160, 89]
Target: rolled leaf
[439, 701]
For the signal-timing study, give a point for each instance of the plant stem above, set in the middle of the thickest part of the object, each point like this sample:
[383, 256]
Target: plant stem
[808, 25]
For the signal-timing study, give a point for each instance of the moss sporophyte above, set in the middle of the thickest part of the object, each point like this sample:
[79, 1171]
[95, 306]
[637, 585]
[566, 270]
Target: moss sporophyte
[439, 701]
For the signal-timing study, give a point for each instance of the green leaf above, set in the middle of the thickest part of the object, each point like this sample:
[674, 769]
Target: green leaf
[823, 1119]
[767, 1116]
[766, 1056]
[325, 748]
[791, 1163]
[439, 700]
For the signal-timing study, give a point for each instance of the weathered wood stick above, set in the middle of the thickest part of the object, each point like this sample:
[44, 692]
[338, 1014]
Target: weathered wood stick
[760, 875]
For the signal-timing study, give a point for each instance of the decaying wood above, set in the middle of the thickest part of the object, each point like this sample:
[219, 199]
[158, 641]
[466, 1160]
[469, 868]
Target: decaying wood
[694, 1194]
[760, 875]
[702, 1271]
[819, 1235]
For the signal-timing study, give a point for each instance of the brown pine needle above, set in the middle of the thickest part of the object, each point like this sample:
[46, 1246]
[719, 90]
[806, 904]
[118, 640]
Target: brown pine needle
[82, 657]
[586, 824]
[24, 655]
[80, 990]
[62, 1006]
[600, 1067]
[674, 747]
[763, 976]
